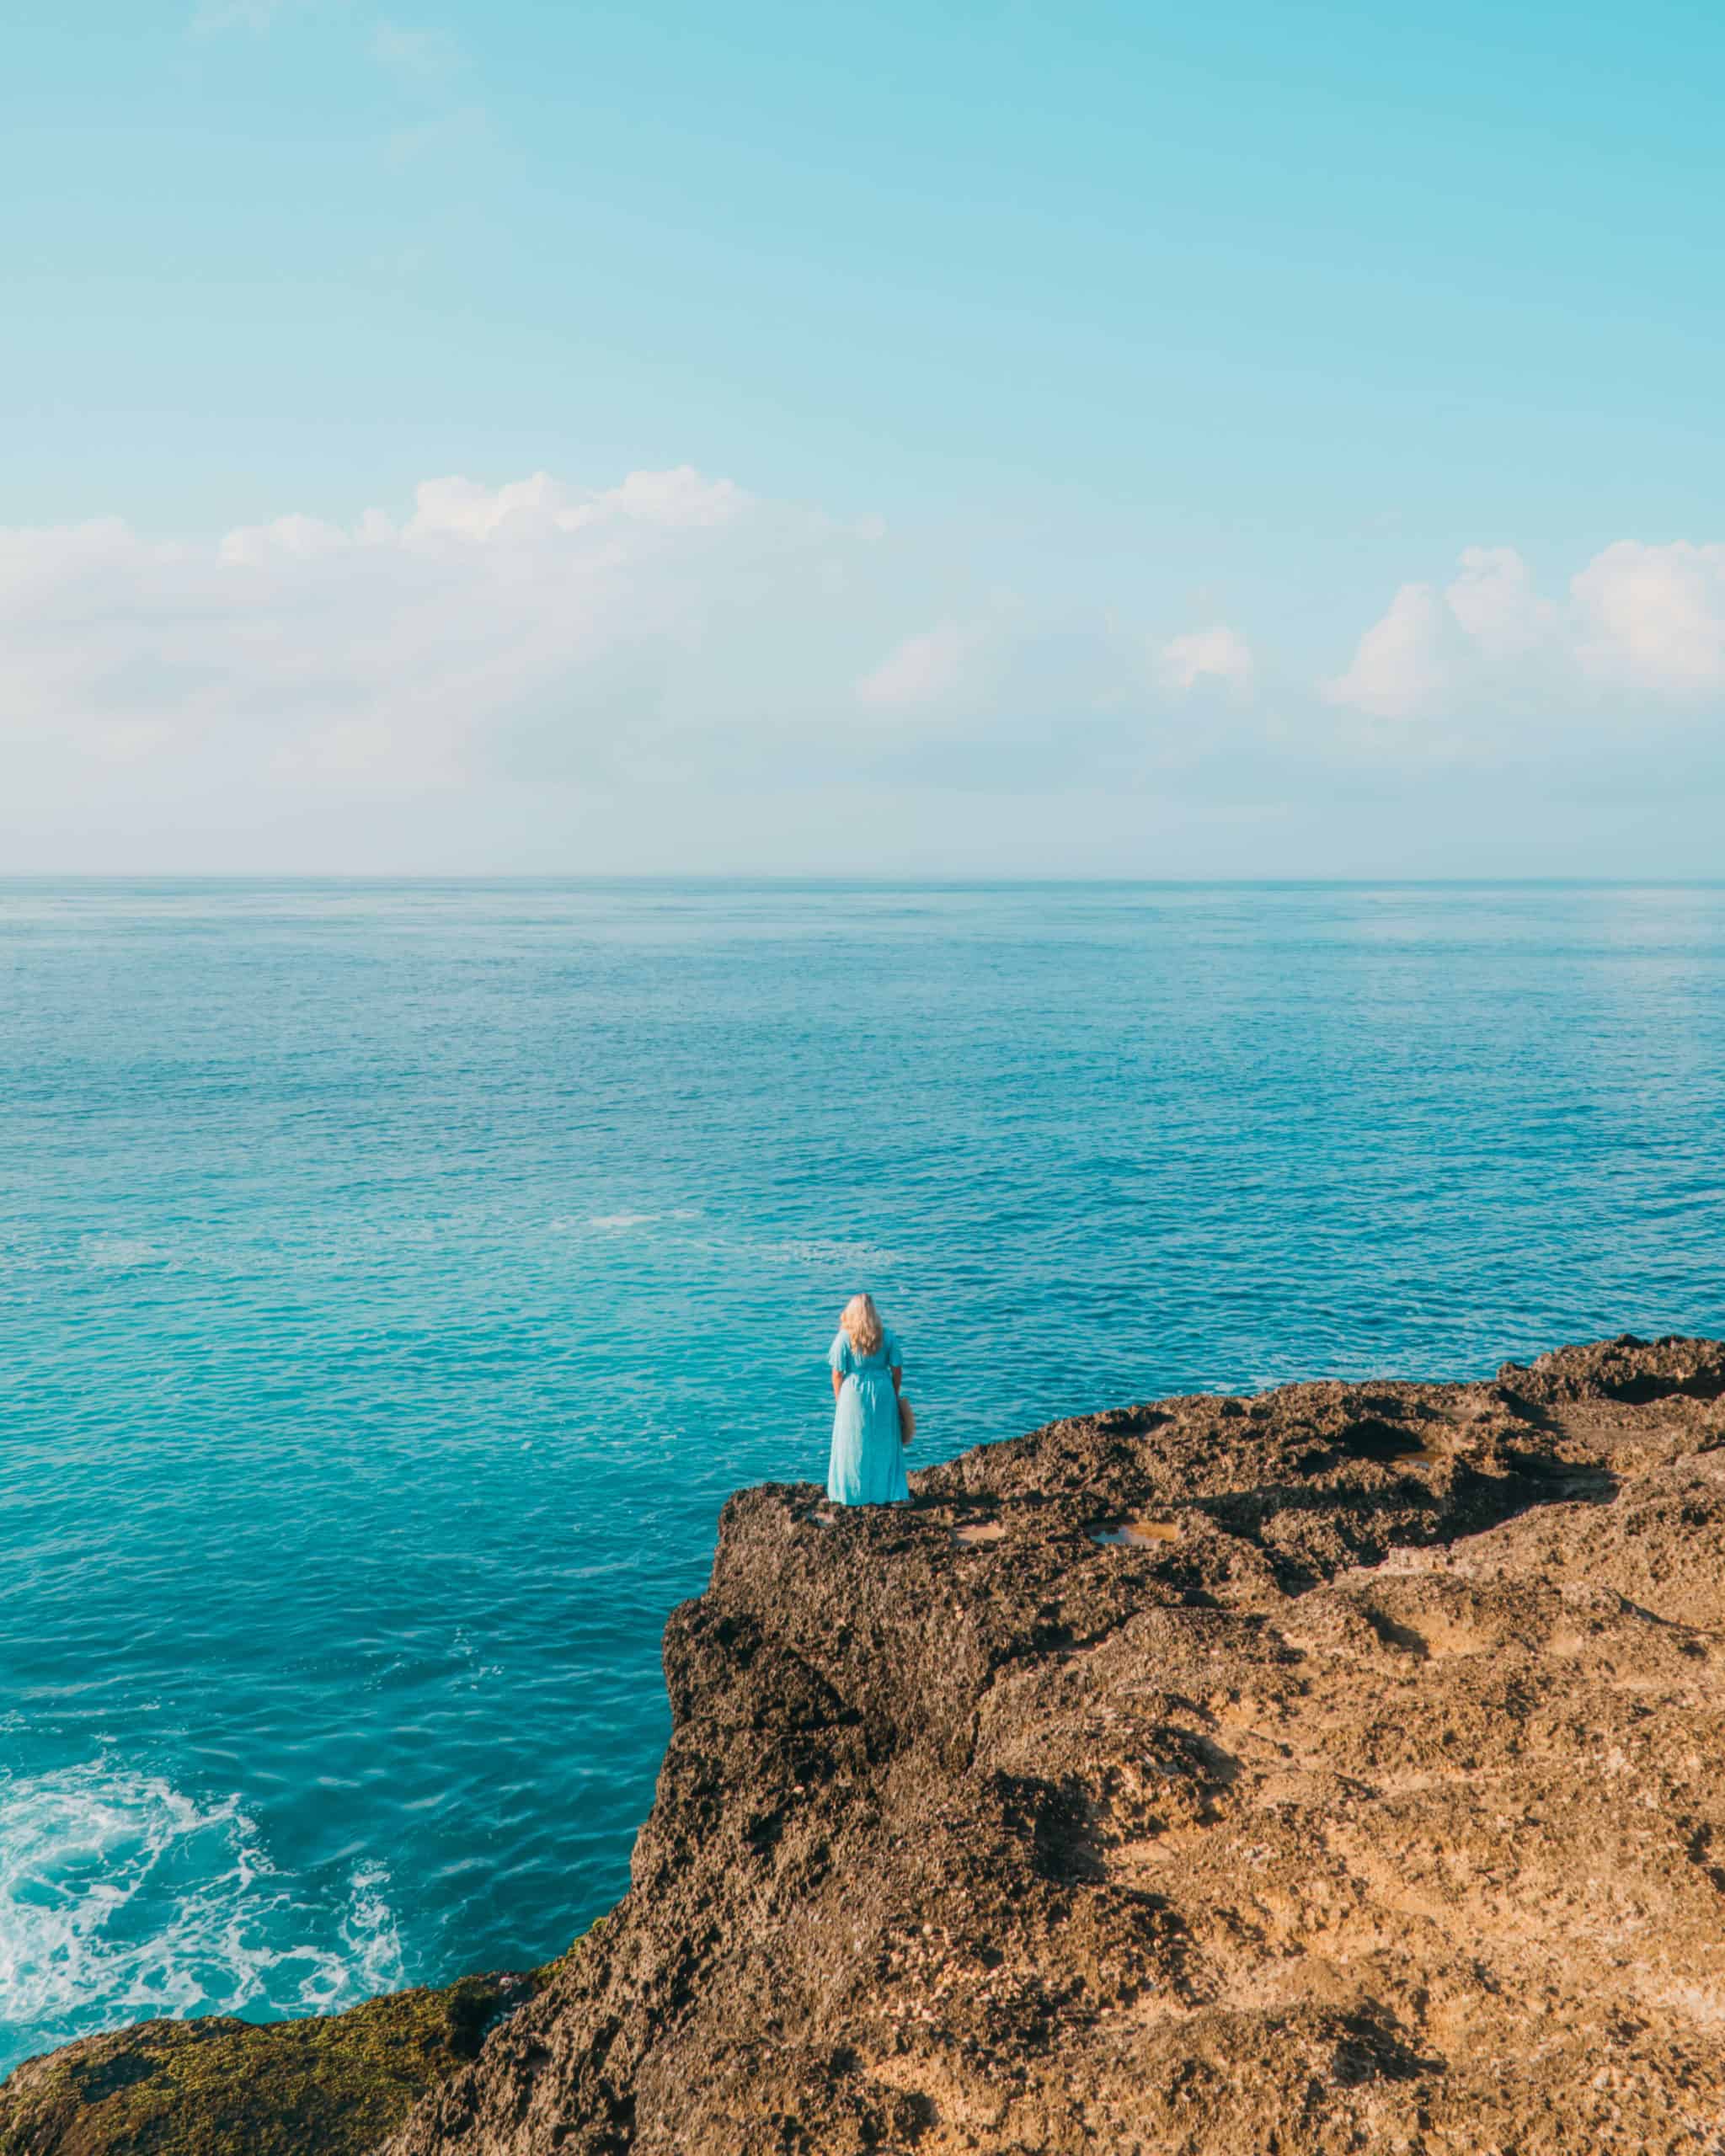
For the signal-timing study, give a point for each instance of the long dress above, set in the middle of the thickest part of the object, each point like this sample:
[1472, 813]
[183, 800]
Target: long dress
[868, 1462]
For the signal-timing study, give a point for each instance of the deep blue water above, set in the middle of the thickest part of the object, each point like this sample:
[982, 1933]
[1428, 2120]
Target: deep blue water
[394, 1280]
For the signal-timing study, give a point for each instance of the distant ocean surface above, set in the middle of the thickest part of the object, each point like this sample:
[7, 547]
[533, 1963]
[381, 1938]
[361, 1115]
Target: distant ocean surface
[395, 1279]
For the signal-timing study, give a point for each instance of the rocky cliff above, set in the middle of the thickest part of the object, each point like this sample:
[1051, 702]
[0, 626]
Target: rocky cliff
[1338, 1770]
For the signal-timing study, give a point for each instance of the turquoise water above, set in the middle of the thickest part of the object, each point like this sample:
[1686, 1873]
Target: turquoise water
[395, 1278]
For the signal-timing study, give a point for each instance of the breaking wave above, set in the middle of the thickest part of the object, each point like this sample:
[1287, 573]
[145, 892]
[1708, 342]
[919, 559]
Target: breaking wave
[122, 1898]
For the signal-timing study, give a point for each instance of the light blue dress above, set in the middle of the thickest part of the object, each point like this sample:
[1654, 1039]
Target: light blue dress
[868, 1463]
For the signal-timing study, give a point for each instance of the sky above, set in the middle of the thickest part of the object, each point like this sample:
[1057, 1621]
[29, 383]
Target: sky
[985, 439]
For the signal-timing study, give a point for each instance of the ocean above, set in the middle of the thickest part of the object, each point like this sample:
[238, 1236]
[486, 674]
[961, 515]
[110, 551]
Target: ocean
[396, 1278]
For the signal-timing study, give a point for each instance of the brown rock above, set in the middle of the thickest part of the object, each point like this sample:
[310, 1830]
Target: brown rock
[1378, 1807]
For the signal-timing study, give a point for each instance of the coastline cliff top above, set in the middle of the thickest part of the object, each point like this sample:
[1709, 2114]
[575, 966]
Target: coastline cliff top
[1336, 1768]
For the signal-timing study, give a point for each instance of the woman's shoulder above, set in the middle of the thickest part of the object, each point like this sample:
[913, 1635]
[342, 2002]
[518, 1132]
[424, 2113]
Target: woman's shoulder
[889, 1344]
[839, 1353]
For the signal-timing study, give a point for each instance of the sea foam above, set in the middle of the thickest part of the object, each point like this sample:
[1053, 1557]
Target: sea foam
[116, 1885]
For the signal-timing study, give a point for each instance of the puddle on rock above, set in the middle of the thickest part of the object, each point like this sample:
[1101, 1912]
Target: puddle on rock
[1388, 1444]
[1136, 1534]
[990, 1530]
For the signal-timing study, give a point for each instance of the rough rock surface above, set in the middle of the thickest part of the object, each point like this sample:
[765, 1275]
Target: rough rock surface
[1364, 1793]
[1381, 1809]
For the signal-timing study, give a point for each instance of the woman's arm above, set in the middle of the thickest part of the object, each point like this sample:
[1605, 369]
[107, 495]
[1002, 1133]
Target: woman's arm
[898, 1379]
[838, 1383]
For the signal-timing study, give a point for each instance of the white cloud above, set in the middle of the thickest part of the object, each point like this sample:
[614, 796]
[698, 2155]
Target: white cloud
[1639, 620]
[298, 538]
[1215, 654]
[926, 671]
[418, 647]
[1493, 600]
[1653, 617]
[1404, 663]
[493, 658]
[496, 648]
[424, 685]
[1014, 662]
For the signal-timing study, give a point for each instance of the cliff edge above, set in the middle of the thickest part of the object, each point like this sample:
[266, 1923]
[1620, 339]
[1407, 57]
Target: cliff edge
[1336, 1769]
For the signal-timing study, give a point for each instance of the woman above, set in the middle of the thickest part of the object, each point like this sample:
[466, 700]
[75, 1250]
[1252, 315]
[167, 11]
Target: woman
[868, 1464]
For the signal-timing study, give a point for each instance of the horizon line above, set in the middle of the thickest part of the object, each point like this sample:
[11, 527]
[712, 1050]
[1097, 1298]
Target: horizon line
[790, 879]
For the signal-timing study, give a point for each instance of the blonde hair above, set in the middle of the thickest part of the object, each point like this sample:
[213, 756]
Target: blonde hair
[862, 1324]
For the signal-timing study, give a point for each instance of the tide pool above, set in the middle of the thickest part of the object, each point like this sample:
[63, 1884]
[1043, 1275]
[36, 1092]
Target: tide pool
[396, 1278]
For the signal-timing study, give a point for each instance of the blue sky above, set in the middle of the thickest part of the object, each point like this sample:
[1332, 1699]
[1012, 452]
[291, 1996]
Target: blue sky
[1092, 385]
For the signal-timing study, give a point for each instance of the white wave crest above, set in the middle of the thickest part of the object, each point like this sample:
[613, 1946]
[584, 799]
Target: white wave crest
[118, 1253]
[858, 1257]
[122, 1898]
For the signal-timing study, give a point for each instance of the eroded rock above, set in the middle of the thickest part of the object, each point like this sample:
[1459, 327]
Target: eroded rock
[1379, 1807]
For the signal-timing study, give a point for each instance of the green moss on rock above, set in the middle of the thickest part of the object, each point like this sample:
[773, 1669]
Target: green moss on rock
[334, 2086]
